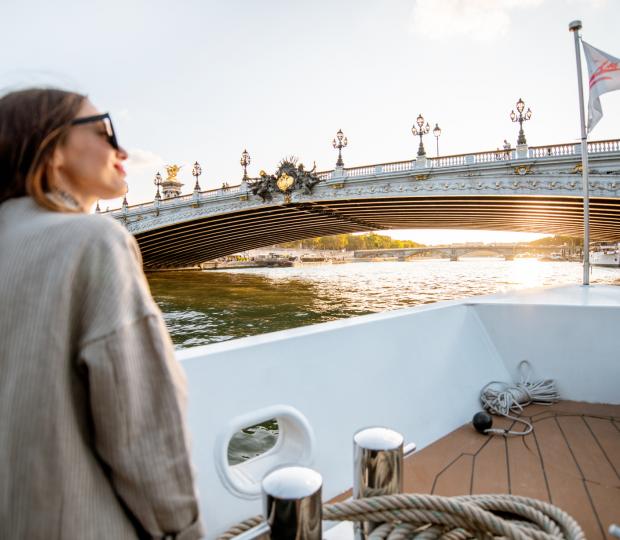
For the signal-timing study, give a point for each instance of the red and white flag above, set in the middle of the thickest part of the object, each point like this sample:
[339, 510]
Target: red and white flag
[604, 72]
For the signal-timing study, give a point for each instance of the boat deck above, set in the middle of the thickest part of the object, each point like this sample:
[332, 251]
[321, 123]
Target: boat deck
[572, 459]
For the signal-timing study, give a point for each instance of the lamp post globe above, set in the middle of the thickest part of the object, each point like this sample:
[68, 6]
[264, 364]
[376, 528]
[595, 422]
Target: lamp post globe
[158, 181]
[420, 131]
[196, 172]
[437, 133]
[340, 142]
[520, 118]
[245, 161]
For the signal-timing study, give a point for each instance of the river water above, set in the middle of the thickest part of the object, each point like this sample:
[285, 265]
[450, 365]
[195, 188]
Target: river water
[211, 306]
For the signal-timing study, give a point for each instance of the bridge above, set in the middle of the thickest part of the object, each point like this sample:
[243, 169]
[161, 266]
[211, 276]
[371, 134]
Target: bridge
[508, 251]
[536, 189]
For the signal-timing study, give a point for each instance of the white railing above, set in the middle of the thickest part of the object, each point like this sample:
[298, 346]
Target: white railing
[471, 159]
[572, 149]
[398, 166]
[150, 206]
[595, 147]
[555, 150]
[360, 171]
[458, 160]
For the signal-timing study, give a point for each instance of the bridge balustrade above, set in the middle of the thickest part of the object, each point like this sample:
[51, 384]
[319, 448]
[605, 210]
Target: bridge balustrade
[397, 167]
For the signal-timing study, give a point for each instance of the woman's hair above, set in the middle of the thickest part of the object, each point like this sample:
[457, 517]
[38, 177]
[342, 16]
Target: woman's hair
[33, 123]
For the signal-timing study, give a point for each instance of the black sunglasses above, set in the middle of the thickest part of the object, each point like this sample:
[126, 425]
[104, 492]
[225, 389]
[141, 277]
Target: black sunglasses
[107, 122]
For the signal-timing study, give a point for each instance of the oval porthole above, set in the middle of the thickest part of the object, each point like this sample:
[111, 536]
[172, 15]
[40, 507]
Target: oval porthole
[243, 473]
[252, 441]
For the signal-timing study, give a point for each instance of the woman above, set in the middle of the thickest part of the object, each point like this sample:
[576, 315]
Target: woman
[92, 433]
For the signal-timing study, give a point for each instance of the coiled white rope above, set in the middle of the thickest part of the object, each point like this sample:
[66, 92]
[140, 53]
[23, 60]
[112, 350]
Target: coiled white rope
[502, 398]
[430, 517]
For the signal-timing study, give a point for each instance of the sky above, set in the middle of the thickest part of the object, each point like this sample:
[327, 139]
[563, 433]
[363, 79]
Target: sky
[202, 80]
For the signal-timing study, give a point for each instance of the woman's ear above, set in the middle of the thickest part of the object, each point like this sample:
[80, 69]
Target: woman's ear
[54, 168]
[58, 158]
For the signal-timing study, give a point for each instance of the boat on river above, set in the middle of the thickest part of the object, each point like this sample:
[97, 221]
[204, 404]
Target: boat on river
[419, 371]
[552, 257]
[310, 259]
[605, 255]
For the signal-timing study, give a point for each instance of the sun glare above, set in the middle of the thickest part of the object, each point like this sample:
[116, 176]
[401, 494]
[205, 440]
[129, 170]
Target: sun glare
[527, 272]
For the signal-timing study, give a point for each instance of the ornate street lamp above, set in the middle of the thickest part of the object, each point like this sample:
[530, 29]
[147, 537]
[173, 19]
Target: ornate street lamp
[437, 133]
[158, 182]
[125, 206]
[97, 209]
[245, 161]
[521, 118]
[196, 172]
[342, 142]
[420, 131]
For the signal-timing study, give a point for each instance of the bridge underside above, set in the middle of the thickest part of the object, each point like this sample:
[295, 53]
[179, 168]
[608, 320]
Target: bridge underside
[190, 243]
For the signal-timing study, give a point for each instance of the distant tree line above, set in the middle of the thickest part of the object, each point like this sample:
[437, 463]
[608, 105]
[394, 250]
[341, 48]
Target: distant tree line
[351, 242]
[557, 240]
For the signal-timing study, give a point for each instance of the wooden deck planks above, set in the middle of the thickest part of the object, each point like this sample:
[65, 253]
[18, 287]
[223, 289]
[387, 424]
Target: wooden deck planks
[563, 476]
[607, 437]
[590, 459]
[572, 459]
[422, 468]
[456, 478]
[607, 506]
[527, 477]
[490, 473]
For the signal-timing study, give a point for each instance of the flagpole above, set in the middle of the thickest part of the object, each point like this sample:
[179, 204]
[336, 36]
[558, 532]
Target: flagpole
[574, 27]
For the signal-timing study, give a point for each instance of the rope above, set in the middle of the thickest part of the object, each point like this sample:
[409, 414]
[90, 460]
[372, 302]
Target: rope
[503, 398]
[430, 517]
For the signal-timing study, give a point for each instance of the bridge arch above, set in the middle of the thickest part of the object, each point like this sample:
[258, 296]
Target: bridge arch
[538, 193]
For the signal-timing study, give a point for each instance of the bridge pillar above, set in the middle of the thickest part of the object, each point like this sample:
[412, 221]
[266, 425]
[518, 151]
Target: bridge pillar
[420, 162]
[453, 255]
[521, 151]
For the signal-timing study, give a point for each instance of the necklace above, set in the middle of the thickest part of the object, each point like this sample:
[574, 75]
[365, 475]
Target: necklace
[65, 199]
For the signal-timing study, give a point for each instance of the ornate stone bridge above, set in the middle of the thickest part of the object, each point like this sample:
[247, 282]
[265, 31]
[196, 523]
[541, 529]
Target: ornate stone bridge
[508, 251]
[536, 189]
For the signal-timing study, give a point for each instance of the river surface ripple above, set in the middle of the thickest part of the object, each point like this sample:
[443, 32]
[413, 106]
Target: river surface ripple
[212, 306]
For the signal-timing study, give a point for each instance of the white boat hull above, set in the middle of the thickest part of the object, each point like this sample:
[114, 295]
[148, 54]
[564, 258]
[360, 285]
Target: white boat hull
[608, 259]
[418, 371]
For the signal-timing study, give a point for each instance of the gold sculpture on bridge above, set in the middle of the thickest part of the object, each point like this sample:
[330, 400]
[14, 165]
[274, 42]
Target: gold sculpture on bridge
[172, 171]
[285, 182]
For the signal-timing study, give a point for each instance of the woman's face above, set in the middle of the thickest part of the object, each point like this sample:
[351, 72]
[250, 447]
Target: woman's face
[86, 165]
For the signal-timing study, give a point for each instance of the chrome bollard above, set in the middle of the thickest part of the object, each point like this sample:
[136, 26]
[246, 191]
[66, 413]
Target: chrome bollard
[377, 468]
[292, 503]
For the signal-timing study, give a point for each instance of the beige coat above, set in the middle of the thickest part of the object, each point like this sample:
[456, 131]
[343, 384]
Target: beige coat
[92, 433]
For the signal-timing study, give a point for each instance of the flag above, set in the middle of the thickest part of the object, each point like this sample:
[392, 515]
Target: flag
[604, 74]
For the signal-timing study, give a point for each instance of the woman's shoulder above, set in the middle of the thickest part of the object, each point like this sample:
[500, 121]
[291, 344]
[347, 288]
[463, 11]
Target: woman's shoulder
[81, 228]
[102, 235]
[25, 215]
[96, 226]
